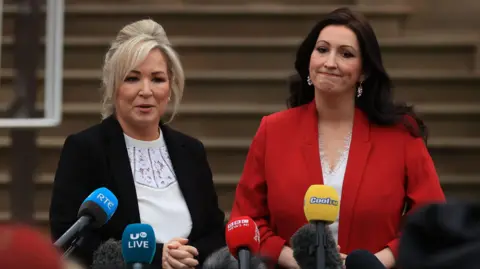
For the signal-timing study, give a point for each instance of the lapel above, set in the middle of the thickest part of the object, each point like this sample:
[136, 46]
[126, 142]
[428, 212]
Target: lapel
[122, 174]
[357, 160]
[119, 166]
[311, 155]
[183, 165]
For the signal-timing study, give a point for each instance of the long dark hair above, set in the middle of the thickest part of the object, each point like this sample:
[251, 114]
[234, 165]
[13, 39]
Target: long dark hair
[376, 100]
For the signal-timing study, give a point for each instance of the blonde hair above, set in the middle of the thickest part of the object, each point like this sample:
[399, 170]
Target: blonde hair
[131, 46]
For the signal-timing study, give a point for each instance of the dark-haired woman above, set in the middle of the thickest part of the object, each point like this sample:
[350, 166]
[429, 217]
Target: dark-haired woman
[344, 130]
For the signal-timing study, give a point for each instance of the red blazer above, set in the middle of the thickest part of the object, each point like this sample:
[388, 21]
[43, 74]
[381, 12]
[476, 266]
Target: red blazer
[386, 168]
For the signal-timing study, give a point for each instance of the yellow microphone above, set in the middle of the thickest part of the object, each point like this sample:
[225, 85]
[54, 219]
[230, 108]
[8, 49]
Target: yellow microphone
[321, 204]
[321, 207]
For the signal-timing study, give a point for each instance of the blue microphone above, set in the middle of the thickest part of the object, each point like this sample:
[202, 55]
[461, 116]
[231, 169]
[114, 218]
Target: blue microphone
[138, 245]
[94, 212]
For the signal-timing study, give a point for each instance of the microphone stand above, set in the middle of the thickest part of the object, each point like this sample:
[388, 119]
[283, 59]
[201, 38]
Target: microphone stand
[320, 244]
[76, 243]
[244, 258]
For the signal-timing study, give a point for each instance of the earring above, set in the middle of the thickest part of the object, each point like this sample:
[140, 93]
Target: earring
[169, 98]
[359, 90]
[309, 81]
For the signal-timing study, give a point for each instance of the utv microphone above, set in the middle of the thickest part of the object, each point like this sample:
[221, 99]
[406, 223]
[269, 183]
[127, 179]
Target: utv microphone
[321, 206]
[243, 239]
[138, 245]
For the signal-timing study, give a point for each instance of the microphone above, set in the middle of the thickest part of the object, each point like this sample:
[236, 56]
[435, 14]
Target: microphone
[361, 259]
[223, 259]
[243, 239]
[304, 245]
[321, 206]
[108, 256]
[94, 212]
[138, 245]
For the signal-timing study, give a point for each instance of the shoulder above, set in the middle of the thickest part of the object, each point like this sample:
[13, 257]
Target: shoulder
[90, 136]
[182, 138]
[286, 118]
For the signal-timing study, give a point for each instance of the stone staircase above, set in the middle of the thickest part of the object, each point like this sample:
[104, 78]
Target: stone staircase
[238, 55]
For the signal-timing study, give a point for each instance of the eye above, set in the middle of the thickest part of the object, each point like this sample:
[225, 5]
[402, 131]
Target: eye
[159, 80]
[347, 54]
[131, 79]
[322, 49]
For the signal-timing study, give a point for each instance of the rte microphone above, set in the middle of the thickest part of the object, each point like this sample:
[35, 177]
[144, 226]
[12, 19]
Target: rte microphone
[138, 245]
[108, 256]
[94, 212]
[304, 246]
[321, 206]
[243, 239]
[361, 259]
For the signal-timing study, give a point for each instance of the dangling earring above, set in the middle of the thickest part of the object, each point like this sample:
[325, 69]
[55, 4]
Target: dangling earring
[359, 90]
[169, 98]
[309, 81]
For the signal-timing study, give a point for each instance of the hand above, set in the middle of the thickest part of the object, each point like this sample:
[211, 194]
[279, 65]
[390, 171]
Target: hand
[178, 255]
[286, 259]
[342, 256]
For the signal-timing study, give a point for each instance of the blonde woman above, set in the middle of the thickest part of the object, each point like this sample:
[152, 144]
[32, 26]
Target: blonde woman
[160, 176]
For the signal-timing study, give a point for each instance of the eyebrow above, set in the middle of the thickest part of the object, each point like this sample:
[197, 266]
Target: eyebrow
[153, 73]
[342, 46]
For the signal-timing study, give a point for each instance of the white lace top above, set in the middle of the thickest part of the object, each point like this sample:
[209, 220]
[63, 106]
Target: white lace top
[334, 177]
[160, 200]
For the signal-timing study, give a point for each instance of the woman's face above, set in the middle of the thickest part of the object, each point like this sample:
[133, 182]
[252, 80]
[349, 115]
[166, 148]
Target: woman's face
[336, 63]
[143, 96]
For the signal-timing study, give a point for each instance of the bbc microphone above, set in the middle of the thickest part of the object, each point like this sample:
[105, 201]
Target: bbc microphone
[108, 256]
[321, 206]
[243, 240]
[94, 212]
[223, 259]
[138, 246]
[363, 259]
[304, 246]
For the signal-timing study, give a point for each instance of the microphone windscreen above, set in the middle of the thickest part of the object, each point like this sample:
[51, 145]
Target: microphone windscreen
[108, 255]
[321, 203]
[223, 259]
[361, 259]
[22, 247]
[100, 205]
[138, 243]
[242, 232]
[441, 236]
[304, 244]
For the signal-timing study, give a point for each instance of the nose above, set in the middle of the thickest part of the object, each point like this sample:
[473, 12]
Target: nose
[146, 89]
[330, 62]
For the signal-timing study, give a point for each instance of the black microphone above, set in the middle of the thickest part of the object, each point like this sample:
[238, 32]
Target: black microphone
[223, 259]
[108, 256]
[304, 245]
[94, 212]
[362, 259]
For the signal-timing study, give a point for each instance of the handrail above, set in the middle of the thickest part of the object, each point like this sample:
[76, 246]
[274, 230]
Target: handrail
[53, 89]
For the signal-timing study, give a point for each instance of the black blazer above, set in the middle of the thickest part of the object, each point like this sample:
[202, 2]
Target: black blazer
[97, 157]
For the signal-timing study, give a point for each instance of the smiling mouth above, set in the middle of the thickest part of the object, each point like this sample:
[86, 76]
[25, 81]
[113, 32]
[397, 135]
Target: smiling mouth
[145, 106]
[329, 74]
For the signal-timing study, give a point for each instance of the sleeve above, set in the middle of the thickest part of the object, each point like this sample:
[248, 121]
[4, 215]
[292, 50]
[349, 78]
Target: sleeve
[251, 196]
[72, 184]
[423, 185]
[214, 230]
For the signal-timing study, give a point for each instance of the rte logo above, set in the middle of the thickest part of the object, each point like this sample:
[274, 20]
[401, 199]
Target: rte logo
[102, 198]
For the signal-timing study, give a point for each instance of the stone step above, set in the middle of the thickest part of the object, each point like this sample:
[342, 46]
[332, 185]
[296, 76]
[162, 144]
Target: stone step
[264, 87]
[215, 20]
[207, 2]
[220, 121]
[227, 156]
[454, 186]
[262, 54]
